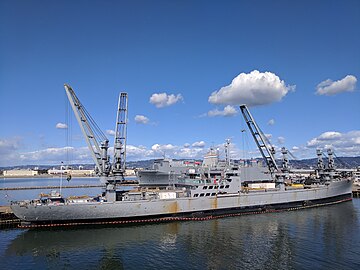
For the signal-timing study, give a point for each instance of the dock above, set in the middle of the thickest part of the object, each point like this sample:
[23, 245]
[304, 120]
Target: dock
[356, 191]
[7, 218]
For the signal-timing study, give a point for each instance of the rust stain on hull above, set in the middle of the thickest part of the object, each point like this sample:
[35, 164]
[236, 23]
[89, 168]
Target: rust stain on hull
[173, 207]
[214, 203]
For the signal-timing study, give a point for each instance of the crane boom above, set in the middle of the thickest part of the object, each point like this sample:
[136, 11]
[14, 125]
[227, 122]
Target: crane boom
[120, 136]
[96, 141]
[260, 140]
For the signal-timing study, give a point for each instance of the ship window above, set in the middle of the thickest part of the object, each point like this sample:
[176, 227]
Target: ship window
[202, 194]
[216, 186]
[204, 187]
[213, 194]
[207, 194]
[196, 195]
[210, 187]
[227, 186]
[221, 186]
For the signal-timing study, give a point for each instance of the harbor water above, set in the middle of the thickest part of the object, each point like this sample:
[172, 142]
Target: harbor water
[6, 196]
[317, 238]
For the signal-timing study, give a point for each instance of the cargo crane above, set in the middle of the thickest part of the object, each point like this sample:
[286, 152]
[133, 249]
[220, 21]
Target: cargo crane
[98, 144]
[120, 136]
[265, 148]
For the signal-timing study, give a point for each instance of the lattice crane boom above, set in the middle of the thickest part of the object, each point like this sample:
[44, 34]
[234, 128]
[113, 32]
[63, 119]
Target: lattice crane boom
[96, 140]
[120, 136]
[260, 140]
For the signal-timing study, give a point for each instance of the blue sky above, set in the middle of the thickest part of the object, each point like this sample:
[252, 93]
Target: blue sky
[298, 62]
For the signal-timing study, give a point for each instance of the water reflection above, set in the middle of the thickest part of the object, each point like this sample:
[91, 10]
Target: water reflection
[288, 240]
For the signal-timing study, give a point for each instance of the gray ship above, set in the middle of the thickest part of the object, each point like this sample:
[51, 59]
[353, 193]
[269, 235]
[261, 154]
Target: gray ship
[168, 172]
[207, 198]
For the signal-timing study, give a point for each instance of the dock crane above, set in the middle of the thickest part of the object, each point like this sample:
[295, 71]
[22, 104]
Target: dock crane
[118, 167]
[98, 143]
[266, 150]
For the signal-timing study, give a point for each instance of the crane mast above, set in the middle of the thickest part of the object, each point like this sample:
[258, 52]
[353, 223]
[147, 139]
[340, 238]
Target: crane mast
[260, 140]
[118, 168]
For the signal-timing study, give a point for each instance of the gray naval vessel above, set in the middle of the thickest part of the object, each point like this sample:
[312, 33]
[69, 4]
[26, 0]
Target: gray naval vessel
[228, 195]
[165, 172]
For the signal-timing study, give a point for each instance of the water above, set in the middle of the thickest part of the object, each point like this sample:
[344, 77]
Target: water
[318, 238]
[6, 196]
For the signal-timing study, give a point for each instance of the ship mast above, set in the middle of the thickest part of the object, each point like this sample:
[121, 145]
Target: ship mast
[261, 141]
[227, 152]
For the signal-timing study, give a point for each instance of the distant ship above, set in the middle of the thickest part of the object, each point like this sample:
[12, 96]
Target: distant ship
[200, 198]
[167, 172]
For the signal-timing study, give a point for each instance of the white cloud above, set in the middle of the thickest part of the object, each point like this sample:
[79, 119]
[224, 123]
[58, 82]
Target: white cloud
[161, 148]
[271, 122]
[9, 145]
[141, 119]
[254, 88]
[325, 137]
[8, 150]
[54, 155]
[161, 100]
[139, 152]
[190, 153]
[281, 140]
[329, 87]
[330, 135]
[200, 144]
[110, 132]
[187, 151]
[228, 111]
[345, 144]
[61, 126]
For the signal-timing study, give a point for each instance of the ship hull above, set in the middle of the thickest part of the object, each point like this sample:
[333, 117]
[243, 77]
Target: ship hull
[184, 207]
